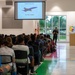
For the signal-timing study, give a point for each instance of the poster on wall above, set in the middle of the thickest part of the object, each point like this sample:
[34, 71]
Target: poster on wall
[72, 29]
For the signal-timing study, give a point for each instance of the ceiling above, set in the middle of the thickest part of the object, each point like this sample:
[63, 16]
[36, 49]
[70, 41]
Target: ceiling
[65, 5]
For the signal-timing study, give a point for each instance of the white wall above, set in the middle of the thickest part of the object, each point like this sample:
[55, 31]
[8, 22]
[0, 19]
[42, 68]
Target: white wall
[65, 5]
[28, 27]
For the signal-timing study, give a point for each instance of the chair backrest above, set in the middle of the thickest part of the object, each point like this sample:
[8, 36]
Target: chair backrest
[20, 54]
[5, 59]
[20, 57]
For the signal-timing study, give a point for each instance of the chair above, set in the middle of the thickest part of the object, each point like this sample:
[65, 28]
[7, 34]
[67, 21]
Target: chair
[22, 66]
[6, 59]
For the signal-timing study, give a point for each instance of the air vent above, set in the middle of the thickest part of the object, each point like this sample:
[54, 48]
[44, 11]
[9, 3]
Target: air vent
[9, 2]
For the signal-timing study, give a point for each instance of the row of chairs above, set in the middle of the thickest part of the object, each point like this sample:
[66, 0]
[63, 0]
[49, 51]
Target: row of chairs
[18, 55]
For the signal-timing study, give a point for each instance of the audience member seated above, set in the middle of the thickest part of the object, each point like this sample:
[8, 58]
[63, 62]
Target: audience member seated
[9, 40]
[20, 45]
[39, 46]
[31, 50]
[4, 50]
[37, 53]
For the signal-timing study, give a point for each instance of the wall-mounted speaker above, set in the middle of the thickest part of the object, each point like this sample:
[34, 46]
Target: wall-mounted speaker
[9, 2]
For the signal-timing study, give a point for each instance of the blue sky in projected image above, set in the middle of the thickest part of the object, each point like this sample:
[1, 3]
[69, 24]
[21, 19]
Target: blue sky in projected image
[27, 10]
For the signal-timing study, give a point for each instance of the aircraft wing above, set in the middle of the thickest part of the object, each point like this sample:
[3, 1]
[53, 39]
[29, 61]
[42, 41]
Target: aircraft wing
[29, 9]
[33, 7]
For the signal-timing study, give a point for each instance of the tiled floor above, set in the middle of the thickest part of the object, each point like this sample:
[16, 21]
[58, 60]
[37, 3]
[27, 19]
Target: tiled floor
[64, 64]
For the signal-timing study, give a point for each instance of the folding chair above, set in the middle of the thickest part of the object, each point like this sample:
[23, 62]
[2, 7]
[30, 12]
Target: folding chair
[5, 60]
[21, 61]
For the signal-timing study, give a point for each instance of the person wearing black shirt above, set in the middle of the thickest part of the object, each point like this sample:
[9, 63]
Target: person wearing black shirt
[55, 35]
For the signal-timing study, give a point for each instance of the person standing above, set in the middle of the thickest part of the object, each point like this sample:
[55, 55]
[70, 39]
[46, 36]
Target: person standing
[55, 35]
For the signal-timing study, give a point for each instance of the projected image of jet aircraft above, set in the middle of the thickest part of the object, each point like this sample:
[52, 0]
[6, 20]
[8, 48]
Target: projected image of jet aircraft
[29, 9]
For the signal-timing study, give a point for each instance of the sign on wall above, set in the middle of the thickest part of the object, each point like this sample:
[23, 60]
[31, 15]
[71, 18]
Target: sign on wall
[72, 29]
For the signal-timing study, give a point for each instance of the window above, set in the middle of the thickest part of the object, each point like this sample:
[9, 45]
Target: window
[47, 26]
